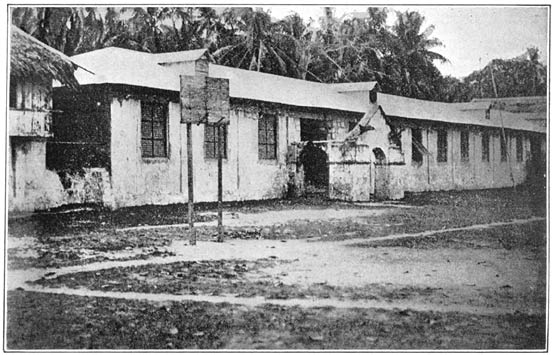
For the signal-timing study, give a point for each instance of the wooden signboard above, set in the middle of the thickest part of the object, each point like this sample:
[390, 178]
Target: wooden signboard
[218, 100]
[204, 100]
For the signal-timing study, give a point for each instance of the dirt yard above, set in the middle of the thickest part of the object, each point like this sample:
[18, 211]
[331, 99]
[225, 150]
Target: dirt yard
[436, 271]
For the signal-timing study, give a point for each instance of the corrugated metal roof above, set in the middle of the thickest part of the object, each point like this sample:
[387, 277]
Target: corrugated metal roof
[182, 56]
[399, 106]
[247, 84]
[348, 87]
[123, 66]
[528, 104]
[114, 65]
[466, 106]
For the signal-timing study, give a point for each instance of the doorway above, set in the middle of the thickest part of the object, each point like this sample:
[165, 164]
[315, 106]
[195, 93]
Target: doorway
[312, 157]
[315, 168]
[381, 175]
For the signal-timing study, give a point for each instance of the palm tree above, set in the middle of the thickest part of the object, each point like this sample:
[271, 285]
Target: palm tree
[538, 70]
[351, 46]
[410, 60]
[59, 27]
[255, 46]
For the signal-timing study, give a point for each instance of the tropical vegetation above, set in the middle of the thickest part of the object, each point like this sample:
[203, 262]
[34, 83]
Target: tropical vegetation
[356, 47]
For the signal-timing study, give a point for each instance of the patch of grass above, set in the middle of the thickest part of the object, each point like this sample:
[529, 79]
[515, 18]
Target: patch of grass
[531, 237]
[62, 238]
[85, 248]
[237, 277]
[63, 221]
[49, 321]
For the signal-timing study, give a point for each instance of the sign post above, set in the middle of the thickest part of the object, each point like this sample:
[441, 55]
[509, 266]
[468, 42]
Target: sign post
[190, 184]
[192, 93]
[205, 100]
[221, 231]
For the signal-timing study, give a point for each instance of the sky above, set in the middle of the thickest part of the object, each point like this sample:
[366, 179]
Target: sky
[472, 35]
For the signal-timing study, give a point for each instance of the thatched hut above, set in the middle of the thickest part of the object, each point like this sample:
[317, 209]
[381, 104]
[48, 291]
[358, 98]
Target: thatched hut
[33, 67]
[30, 58]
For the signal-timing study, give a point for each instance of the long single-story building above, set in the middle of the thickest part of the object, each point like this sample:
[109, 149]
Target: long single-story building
[123, 130]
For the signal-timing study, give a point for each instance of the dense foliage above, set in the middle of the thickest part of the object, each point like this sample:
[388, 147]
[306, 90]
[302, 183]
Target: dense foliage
[357, 47]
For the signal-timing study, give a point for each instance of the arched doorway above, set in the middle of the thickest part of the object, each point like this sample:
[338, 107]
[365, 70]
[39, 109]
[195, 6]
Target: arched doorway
[315, 167]
[381, 175]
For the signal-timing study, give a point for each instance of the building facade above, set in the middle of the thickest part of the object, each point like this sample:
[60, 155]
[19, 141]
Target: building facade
[123, 134]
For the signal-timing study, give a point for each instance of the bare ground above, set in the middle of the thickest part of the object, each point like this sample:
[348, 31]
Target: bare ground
[471, 288]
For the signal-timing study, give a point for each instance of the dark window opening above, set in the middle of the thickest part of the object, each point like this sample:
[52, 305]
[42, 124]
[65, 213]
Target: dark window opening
[394, 137]
[519, 148]
[485, 146]
[316, 130]
[211, 140]
[267, 136]
[416, 141]
[373, 96]
[13, 93]
[465, 146]
[503, 143]
[442, 146]
[154, 129]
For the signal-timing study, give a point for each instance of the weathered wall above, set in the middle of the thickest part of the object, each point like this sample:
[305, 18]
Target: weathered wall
[33, 187]
[138, 181]
[456, 174]
[355, 174]
[351, 175]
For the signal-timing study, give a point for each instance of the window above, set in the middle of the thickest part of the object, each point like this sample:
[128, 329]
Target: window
[442, 146]
[416, 141]
[394, 137]
[503, 141]
[267, 136]
[211, 140]
[13, 93]
[485, 146]
[154, 129]
[373, 95]
[519, 148]
[465, 146]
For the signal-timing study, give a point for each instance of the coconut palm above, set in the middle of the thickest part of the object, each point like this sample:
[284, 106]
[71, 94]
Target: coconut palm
[255, 45]
[59, 27]
[410, 62]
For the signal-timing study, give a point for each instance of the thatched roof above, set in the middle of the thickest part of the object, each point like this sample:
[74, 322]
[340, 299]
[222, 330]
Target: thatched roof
[31, 58]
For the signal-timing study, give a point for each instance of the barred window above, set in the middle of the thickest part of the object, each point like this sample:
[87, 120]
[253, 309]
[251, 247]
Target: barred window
[211, 140]
[485, 146]
[154, 129]
[519, 148]
[13, 93]
[465, 154]
[267, 136]
[416, 142]
[503, 143]
[442, 146]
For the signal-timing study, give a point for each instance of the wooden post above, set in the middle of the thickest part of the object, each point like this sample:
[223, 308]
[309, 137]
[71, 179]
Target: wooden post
[221, 231]
[190, 185]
